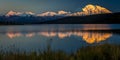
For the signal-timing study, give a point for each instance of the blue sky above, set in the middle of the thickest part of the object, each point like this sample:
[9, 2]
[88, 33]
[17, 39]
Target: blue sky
[39, 6]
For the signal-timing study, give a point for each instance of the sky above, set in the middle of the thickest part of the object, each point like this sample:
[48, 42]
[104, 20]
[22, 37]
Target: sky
[39, 6]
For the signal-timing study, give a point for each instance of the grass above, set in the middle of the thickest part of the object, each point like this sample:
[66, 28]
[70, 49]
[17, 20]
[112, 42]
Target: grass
[99, 52]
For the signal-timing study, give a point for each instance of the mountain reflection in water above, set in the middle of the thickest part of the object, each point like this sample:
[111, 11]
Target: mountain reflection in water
[65, 37]
[89, 37]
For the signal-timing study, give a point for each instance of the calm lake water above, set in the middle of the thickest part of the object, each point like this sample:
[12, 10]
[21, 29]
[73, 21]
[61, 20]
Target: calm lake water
[65, 37]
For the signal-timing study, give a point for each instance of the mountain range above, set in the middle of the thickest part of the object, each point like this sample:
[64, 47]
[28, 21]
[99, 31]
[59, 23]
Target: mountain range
[87, 10]
[89, 13]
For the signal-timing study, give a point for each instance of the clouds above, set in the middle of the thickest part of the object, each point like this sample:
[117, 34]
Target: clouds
[87, 10]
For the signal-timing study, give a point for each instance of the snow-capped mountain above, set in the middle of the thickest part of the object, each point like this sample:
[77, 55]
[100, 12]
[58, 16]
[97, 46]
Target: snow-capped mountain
[13, 13]
[13, 17]
[87, 10]
[47, 14]
[63, 13]
[59, 13]
[50, 15]
[90, 10]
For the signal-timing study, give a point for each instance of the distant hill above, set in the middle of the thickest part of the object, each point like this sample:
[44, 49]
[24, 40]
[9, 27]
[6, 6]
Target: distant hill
[23, 20]
[109, 18]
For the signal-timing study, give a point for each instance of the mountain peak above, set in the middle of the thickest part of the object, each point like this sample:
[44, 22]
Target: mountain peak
[87, 10]
[47, 14]
[61, 12]
[94, 9]
[91, 9]
[11, 13]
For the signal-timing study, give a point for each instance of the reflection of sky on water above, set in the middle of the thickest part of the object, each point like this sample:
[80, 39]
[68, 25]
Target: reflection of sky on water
[67, 37]
[57, 27]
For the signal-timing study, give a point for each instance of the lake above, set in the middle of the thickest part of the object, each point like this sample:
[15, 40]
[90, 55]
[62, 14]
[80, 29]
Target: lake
[65, 37]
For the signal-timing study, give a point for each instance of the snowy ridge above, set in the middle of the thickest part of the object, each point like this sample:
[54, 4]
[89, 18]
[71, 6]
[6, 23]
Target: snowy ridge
[87, 10]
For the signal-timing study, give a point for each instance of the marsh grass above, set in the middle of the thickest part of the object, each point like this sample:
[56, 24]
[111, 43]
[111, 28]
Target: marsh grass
[98, 52]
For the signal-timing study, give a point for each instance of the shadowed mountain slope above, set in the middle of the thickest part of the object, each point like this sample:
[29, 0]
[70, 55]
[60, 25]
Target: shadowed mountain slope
[109, 18]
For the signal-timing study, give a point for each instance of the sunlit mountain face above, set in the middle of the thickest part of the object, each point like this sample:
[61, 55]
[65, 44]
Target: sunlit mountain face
[87, 10]
[12, 13]
[91, 9]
